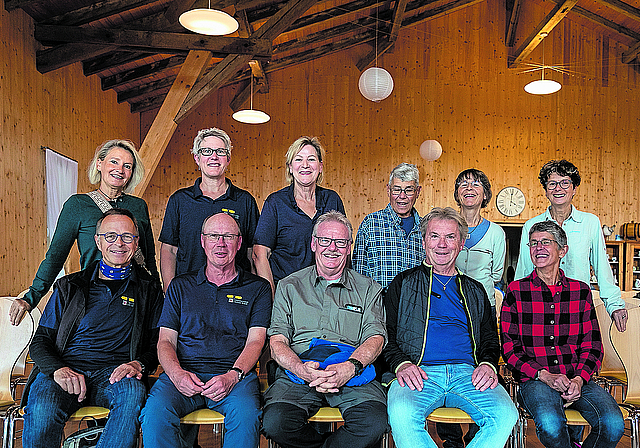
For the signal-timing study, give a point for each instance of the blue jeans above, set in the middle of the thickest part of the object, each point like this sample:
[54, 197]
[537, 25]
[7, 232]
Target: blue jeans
[597, 407]
[49, 407]
[166, 405]
[450, 386]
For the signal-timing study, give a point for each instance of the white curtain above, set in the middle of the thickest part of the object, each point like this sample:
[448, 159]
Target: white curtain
[62, 182]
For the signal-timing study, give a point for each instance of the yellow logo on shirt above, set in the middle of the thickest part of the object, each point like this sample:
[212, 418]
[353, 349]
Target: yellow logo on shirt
[127, 301]
[236, 299]
[231, 212]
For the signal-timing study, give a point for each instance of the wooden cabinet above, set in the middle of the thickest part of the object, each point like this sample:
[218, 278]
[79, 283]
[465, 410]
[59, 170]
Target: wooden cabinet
[632, 266]
[615, 252]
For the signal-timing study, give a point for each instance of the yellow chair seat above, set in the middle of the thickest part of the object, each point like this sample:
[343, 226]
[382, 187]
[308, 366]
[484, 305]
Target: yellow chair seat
[619, 375]
[449, 415]
[96, 412]
[327, 414]
[203, 417]
[575, 418]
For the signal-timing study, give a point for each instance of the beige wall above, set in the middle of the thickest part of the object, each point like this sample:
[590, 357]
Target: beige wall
[63, 110]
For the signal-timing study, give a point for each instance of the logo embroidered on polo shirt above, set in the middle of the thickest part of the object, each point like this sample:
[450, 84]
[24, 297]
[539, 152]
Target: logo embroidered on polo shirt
[236, 299]
[127, 301]
[231, 212]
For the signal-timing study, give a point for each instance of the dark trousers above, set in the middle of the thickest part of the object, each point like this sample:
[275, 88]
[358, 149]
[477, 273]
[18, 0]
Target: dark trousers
[451, 434]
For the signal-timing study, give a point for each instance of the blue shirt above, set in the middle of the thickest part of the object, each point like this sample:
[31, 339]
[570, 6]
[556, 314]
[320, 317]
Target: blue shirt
[382, 248]
[213, 321]
[286, 229]
[586, 248]
[104, 333]
[186, 211]
[448, 340]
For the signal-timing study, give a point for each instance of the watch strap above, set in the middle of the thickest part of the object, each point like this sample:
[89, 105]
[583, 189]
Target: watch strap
[241, 373]
[358, 365]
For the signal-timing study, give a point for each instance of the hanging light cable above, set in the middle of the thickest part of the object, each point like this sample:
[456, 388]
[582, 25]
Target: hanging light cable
[251, 115]
[543, 86]
[375, 84]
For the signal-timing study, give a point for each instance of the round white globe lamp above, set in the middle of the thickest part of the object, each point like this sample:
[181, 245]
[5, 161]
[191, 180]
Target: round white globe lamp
[375, 84]
[430, 150]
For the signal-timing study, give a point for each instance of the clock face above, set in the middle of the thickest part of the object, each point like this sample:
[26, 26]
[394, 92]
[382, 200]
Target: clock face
[510, 201]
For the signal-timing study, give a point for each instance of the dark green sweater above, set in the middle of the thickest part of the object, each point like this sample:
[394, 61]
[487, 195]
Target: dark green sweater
[78, 220]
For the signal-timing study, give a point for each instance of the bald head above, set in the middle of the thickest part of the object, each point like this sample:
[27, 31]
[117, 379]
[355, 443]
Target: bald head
[221, 240]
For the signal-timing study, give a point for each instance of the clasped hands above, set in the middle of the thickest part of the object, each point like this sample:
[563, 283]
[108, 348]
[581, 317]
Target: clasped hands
[570, 389]
[215, 389]
[74, 383]
[329, 380]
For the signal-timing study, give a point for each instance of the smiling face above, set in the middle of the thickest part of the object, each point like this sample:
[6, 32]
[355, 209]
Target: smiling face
[331, 260]
[546, 256]
[220, 253]
[213, 166]
[402, 203]
[442, 244]
[116, 168]
[305, 166]
[117, 254]
[558, 196]
[471, 193]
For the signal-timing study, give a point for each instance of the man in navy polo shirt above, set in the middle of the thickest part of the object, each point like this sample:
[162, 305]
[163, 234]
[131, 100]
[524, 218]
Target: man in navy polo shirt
[187, 209]
[212, 330]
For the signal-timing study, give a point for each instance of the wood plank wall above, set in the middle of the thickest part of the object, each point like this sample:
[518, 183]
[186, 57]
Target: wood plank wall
[63, 110]
[451, 84]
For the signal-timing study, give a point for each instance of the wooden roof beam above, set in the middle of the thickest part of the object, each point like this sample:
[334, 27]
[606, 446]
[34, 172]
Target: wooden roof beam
[542, 30]
[513, 15]
[93, 12]
[164, 125]
[63, 55]
[390, 39]
[231, 64]
[622, 8]
[137, 73]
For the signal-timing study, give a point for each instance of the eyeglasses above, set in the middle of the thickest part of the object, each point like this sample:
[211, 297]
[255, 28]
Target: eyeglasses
[326, 242]
[221, 152]
[544, 242]
[564, 184]
[226, 237]
[409, 191]
[111, 237]
[473, 184]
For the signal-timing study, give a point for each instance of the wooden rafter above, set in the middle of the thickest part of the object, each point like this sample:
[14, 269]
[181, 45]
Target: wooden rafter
[164, 125]
[542, 30]
[96, 65]
[135, 74]
[231, 64]
[622, 8]
[390, 39]
[55, 58]
[513, 14]
[93, 12]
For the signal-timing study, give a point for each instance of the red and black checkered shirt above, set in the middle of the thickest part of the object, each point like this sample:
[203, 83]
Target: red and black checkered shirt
[557, 332]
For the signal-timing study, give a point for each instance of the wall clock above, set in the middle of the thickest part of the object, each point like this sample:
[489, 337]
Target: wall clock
[510, 201]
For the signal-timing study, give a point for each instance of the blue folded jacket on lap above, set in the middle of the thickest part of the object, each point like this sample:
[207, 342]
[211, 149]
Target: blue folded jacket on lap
[327, 353]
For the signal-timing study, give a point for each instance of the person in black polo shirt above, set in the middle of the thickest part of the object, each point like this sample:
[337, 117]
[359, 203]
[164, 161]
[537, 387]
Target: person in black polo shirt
[212, 330]
[187, 209]
[95, 343]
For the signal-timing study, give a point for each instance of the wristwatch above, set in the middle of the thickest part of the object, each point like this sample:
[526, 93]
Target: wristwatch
[241, 373]
[358, 365]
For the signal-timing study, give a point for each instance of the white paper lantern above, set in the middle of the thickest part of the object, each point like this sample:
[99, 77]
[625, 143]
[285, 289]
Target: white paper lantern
[430, 150]
[375, 84]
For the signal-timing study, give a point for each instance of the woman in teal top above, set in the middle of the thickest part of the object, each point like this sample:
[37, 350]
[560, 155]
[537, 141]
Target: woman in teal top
[117, 168]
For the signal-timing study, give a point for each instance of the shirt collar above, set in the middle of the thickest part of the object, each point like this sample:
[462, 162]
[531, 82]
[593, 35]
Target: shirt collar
[201, 276]
[395, 217]
[292, 198]
[344, 281]
[229, 194]
[575, 215]
[537, 281]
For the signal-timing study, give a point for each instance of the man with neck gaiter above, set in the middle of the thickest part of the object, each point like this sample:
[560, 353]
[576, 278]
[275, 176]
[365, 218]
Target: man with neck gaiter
[96, 342]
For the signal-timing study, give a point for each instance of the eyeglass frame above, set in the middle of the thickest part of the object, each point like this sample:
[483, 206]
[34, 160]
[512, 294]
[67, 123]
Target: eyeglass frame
[335, 241]
[404, 190]
[544, 242]
[119, 235]
[226, 237]
[559, 184]
[220, 152]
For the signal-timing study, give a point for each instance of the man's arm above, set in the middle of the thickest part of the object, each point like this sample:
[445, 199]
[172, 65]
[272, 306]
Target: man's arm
[168, 256]
[219, 386]
[287, 359]
[261, 256]
[187, 383]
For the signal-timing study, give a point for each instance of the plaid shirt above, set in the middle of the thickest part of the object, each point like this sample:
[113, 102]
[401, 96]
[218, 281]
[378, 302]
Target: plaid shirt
[558, 333]
[382, 250]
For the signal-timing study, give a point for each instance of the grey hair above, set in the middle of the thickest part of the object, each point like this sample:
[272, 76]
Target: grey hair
[211, 132]
[137, 173]
[551, 227]
[405, 172]
[333, 216]
[117, 212]
[445, 214]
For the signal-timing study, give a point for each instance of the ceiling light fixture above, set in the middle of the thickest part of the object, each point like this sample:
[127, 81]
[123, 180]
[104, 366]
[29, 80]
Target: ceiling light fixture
[543, 86]
[208, 21]
[251, 115]
[375, 84]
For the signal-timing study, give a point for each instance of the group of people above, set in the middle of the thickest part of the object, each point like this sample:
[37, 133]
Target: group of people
[414, 296]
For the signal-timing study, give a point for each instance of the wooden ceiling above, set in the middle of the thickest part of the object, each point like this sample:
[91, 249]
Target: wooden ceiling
[138, 47]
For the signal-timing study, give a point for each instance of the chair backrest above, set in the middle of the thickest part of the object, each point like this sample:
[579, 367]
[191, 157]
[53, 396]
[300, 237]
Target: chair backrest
[627, 346]
[13, 340]
[36, 314]
[499, 296]
[610, 362]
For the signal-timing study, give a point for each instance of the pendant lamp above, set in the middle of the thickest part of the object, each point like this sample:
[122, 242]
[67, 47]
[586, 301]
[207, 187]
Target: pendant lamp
[251, 115]
[208, 21]
[375, 84]
[542, 86]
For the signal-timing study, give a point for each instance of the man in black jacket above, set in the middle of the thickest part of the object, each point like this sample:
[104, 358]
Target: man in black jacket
[95, 343]
[443, 345]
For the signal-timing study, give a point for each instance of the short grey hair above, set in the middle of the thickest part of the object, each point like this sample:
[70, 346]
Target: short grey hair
[444, 214]
[137, 173]
[334, 216]
[211, 132]
[551, 227]
[405, 172]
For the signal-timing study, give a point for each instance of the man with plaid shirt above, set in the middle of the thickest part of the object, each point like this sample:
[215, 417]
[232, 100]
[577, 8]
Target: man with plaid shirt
[552, 344]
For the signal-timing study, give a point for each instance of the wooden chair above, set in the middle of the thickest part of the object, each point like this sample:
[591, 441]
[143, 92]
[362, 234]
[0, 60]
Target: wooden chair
[611, 374]
[206, 417]
[458, 416]
[13, 340]
[627, 346]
